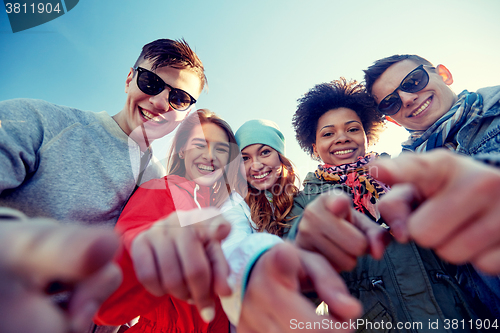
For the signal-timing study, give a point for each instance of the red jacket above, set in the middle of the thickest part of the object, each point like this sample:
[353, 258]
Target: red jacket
[152, 201]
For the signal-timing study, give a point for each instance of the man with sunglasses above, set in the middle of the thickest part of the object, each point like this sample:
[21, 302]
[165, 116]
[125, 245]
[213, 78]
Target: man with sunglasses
[74, 165]
[80, 166]
[457, 197]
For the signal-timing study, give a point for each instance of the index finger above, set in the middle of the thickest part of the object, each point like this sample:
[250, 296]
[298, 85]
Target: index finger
[428, 172]
[330, 286]
[48, 251]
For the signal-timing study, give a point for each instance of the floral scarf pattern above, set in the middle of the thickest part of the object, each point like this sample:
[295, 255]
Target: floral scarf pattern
[365, 190]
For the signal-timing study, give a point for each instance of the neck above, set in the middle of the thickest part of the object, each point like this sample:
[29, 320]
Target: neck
[139, 135]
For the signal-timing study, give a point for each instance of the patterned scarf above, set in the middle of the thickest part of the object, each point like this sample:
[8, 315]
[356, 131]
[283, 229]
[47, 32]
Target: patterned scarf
[444, 131]
[365, 190]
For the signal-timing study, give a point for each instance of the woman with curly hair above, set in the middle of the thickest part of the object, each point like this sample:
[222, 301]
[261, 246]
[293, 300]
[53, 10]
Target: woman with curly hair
[334, 122]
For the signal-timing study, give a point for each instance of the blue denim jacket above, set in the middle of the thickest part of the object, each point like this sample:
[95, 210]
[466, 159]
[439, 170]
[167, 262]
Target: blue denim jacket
[481, 134]
[480, 138]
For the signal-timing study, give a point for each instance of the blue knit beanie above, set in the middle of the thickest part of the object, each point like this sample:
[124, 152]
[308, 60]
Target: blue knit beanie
[261, 131]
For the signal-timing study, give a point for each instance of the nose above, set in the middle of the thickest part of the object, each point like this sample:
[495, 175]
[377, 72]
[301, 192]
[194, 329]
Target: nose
[256, 165]
[208, 153]
[342, 137]
[407, 98]
[160, 101]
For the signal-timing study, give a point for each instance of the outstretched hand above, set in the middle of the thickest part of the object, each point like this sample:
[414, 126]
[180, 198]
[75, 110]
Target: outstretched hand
[273, 300]
[446, 202]
[333, 228]
[39, 253]
[185, 262]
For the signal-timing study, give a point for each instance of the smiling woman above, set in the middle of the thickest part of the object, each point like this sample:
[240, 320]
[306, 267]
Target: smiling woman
[262, 165]
[340, 137]
[339, 112]
[345, 121]
[199, 175]
[270, 175]
[205, 154]
[201, 151]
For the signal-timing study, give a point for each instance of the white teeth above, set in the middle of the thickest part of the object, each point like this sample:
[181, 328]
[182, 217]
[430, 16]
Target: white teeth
[206, 167]
[422, 108]
[340, 152]
[151, 117]
[261, 176]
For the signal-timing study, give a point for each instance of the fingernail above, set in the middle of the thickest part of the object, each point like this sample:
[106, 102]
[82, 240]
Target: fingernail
[190, 301]
[208, 314]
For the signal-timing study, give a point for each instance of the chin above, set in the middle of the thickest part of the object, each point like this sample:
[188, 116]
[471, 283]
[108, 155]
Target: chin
[208, 181]
[204, 182]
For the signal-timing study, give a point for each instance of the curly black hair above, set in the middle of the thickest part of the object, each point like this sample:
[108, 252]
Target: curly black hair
[333, 95]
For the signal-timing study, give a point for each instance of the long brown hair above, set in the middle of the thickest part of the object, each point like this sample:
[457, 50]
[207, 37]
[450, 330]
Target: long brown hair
[175, 165]
[272, 216]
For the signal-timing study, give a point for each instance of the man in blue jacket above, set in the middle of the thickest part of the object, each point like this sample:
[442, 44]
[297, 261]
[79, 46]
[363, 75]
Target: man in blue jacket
[413, 93]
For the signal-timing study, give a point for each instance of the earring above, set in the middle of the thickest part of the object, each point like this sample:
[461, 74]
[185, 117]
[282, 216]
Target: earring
[181, 156]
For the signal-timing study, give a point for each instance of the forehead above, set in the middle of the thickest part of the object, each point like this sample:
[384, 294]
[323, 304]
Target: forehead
[209, 132]
[185, 79]
[254, 148]
[338, 117]
[391, 78]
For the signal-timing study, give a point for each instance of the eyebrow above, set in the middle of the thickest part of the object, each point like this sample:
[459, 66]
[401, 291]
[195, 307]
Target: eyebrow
[346, 123]
[258, 149]
[225, 144]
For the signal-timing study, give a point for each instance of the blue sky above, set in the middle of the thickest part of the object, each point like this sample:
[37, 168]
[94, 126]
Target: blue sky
[260, 56]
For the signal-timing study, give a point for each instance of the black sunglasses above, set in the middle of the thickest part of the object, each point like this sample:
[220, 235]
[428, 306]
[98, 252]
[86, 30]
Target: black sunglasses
[152, 84]
[415, 81]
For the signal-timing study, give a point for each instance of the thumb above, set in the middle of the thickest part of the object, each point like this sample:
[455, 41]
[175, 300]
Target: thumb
[416, 168]
[284, 264]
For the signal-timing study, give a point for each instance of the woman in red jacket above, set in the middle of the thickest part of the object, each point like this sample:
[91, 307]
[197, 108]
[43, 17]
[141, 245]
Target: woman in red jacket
[198, 170]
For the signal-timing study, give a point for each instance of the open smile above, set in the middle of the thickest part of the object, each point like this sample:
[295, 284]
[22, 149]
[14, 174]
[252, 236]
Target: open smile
[158, 119]
[206, 168]
[343, 152]
[422, 108]
[261, 176]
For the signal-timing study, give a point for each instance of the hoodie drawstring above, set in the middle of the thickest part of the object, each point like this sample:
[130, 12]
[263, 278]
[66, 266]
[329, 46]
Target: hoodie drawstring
[196, 188]
[446, 278]
[379, 284]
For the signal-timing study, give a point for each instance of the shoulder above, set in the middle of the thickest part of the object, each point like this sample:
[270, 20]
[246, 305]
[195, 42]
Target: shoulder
[43, 114]
[488, 92]
[37, 106]
[490, 95]
[154, 184]
[149, 202]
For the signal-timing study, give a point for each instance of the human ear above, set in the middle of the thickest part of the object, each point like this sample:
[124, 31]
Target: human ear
[315, 151]
[445, 74]
[130, 76]
[392, 120]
